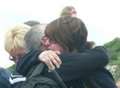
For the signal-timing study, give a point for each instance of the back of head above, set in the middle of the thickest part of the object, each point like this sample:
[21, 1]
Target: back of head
[14, 38]
[33, 38]
[69, 32]
[32, 23]
[68, 11]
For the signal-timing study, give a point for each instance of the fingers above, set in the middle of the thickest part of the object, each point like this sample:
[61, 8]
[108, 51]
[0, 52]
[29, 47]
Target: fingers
[51, 59]
[55, 60]
[48, 62]
[45, 59]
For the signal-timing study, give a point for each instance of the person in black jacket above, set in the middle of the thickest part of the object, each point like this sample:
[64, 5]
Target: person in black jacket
[30, 23]
[77, 68]
[71, 34]
[97, 56]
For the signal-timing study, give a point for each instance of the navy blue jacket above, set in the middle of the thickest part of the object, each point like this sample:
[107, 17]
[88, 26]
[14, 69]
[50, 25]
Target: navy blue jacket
[4, 78]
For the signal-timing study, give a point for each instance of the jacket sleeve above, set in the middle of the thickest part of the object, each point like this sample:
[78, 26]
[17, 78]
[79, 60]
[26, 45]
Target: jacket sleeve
[80, 65]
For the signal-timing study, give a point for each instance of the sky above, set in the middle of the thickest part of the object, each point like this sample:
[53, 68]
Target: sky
[102, 17]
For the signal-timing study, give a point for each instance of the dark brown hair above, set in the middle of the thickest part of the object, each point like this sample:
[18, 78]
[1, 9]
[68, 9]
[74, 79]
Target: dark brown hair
[69, 32]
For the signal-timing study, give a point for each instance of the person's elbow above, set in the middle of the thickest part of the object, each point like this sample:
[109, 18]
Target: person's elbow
[103, 55]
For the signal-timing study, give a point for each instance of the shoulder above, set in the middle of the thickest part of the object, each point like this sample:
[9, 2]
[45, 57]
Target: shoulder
[99, 49]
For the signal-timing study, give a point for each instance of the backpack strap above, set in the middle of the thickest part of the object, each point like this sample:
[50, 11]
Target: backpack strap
[59, 79]
[38, 70]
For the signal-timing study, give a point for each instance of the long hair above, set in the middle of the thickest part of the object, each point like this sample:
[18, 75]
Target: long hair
[69, 32]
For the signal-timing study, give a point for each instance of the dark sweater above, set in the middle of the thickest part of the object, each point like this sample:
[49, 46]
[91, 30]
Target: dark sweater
[75, 69]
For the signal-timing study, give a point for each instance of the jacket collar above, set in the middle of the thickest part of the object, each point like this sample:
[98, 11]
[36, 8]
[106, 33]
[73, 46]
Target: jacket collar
[27, 62]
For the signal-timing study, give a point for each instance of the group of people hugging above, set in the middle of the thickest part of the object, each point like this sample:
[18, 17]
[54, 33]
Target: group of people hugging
[62, 46]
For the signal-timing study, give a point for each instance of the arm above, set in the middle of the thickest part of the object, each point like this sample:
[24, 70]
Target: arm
[82, 64]
[78, 65]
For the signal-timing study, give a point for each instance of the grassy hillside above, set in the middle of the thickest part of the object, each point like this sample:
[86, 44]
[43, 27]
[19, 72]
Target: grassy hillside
[113, 48]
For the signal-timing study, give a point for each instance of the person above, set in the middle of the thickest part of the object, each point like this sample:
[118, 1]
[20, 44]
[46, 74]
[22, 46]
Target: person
[60, 33]
[15, 46]
[68, 11]
[30, 23]
[71, 11]
[32, 39]
[24, 68]
[66, 73]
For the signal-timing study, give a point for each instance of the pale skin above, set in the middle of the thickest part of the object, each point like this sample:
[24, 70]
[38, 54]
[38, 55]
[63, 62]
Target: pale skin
[50, 57]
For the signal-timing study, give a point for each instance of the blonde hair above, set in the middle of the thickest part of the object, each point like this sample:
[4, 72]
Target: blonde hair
[14, 38]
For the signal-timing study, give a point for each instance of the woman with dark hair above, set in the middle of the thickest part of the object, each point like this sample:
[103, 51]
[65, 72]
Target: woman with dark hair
[69, 34]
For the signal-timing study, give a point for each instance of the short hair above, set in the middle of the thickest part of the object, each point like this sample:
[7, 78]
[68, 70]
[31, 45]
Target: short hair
[32, 23]
[14, 38]
[66, 11]
[33, 38]
[70, 32]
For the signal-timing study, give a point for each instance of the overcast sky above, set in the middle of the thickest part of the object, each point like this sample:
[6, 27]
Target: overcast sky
[102, 17]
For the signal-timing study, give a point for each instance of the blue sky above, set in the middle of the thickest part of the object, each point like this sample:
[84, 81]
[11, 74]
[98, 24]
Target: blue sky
[102, 17]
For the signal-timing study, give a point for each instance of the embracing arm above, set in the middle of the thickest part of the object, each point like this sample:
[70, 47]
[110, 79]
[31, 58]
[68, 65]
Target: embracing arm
[83, 64]
[77, 65]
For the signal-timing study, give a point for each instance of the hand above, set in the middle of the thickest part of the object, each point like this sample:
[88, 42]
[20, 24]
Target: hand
[51, 59]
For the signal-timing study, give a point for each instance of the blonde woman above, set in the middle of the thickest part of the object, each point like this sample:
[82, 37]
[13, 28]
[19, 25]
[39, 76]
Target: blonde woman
[14, 41]
[15, 46]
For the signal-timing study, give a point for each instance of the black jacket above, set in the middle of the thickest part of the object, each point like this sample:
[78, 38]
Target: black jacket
[4, 78]
[101, 78]
[75, 69]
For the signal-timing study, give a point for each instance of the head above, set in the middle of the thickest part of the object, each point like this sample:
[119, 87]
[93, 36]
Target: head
[33, 38]
[69, 11]
[14, 41]
[69, 32]
[32, 23]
